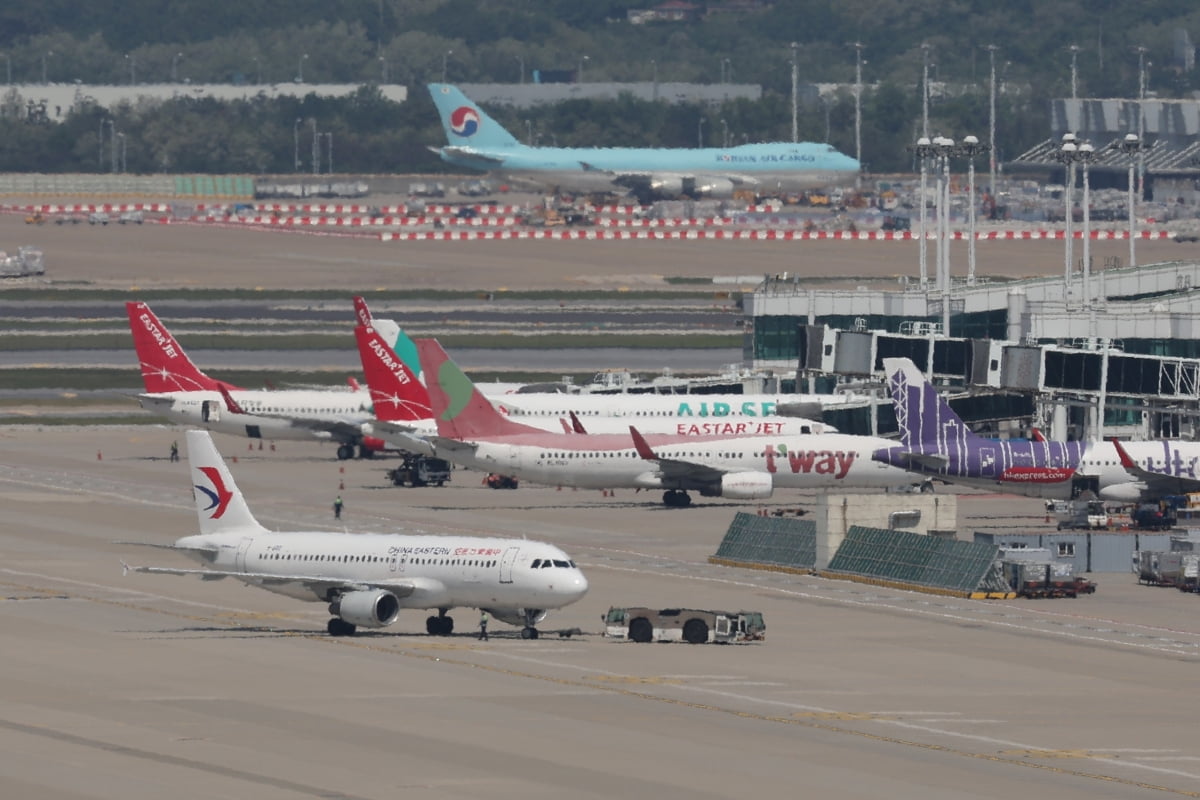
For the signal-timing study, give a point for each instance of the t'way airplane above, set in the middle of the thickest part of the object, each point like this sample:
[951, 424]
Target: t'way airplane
[472, 433]
[935, 442]
[479, 142]
[178, 390]
[367, 579]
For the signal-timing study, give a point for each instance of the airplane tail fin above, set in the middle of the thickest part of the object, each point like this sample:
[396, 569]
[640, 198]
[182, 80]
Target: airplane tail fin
[396, 394]
[220, 505]
[466, 124]
[165, 367]
[460, 410]
[923, 415]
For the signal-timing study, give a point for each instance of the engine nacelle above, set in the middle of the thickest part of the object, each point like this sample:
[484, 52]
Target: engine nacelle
[1130, 492]
[667, 187]
[517, 616]
[713, 187]
[368, 609]
[746, 486]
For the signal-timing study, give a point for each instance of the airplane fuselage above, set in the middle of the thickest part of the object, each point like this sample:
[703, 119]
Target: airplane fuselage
[269, 414]
[447, 572]
[818, 461]
[713, 171]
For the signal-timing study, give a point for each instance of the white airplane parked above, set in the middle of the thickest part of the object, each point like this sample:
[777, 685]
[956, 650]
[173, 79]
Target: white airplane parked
[178, 390]
[367, 579]
[472, 433]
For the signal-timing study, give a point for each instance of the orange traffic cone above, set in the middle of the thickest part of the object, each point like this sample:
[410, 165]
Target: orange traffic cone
[98, 456]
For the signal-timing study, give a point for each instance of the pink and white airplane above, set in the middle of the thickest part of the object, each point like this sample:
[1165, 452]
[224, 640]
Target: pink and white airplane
[472, 433]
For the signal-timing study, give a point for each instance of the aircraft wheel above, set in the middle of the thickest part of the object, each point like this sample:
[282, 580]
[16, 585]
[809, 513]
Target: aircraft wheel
[447, 626]
[345, 451]
[695, 631]
[339, 627]
[433, 626]
[640, 630]
[529, 633]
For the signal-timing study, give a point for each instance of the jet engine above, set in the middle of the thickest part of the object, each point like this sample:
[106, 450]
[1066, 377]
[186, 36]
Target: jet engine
[667, 187]
[744, 486]
[713, 187]
[370, 609]
[1130, 492]
[518, 616]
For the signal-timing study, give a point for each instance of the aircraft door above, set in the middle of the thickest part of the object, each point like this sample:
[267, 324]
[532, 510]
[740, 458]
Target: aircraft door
[210, 411]
[506, 564]
[240, 558]
[987, 462]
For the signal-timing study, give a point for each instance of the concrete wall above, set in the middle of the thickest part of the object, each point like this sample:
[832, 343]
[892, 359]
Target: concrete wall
[926, 514]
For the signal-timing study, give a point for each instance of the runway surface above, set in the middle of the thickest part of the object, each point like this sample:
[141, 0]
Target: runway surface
[146, 686]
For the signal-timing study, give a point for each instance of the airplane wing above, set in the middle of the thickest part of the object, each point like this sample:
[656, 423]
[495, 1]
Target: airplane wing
[318, 585]
[347, 431]
[676, 470]
[401, 435]
[1157, 484]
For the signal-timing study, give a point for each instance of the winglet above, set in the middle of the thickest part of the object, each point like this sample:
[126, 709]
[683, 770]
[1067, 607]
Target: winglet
[641, 445]
[230, 404]
[353, 383]
[576, 425]
[1037, 435]
[565, 424]
[1126, 461]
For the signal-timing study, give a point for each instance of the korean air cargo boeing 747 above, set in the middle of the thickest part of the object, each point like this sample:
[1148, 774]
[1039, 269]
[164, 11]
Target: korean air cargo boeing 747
[477, 141]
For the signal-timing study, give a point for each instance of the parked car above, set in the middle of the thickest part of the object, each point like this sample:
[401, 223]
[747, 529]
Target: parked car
[98, 218]
[135, 217]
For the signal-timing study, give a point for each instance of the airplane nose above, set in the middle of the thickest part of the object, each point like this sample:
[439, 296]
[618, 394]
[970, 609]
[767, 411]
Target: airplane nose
[579, 586]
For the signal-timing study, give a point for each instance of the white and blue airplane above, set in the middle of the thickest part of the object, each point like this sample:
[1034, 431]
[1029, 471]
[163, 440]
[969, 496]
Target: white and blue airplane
[367, 579]
[477, 141]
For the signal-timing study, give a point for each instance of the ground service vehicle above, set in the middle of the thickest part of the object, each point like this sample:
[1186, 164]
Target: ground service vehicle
[691, 625]
[418, 470]
[36, 218]
[497, 481]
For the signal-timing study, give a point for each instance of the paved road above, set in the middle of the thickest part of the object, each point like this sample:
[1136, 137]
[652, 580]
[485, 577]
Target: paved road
[147, 686]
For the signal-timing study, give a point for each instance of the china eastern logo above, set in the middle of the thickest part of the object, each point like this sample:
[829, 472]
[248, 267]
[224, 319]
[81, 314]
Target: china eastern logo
[218, 495]
[464, 121]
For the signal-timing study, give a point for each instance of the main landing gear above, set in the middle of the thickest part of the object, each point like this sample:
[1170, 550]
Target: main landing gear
[339, 627]
[676, 498]
[441, 625]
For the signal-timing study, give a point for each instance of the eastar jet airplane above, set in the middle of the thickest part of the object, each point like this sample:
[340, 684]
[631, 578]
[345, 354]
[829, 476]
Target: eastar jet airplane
[479, 142]
[935, 442]
[472, 433]
[178, 390]
[685, 415]
[367, 579]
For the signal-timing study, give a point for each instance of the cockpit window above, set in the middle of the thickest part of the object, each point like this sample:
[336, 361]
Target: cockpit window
[563, 564]
[537, 562]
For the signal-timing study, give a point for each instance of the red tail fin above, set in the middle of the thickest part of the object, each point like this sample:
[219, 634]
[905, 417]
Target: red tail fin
[460, 410]
[361, 312]
[395, 392]
[165, 367]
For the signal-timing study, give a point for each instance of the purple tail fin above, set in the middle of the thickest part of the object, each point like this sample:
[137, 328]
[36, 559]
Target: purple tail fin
[924, 416]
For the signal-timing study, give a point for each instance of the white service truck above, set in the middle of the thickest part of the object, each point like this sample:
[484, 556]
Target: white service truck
[691, 625]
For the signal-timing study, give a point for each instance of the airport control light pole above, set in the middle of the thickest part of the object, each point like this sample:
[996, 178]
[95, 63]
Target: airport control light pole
[1085, 154]
[1131, 146]
[795, 93]
[1067, 156]
[971, 148]
[924, 150]
[858, 62]
[991, 48]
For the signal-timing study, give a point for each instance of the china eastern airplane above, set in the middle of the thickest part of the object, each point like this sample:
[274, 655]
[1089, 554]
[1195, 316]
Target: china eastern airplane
[178, 390]
[367, 579]
[935, 442]
[477, 141]
[472, 433]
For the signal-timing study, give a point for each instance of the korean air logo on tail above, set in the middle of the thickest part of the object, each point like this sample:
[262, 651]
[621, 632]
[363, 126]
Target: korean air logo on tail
[464, 121]
[218, 495]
